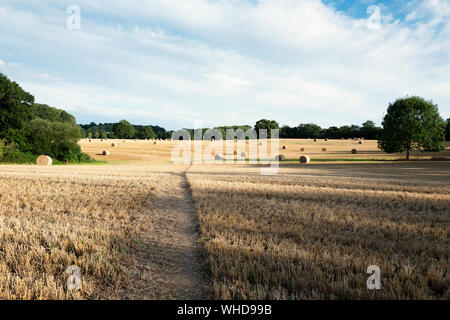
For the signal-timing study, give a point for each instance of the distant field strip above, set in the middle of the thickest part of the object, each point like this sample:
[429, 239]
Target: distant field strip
[311, 232]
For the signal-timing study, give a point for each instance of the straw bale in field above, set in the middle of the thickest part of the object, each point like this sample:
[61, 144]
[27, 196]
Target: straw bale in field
[44, 161]
[305, 159]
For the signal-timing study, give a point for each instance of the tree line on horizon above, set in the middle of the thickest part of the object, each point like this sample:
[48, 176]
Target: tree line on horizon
[123, 130]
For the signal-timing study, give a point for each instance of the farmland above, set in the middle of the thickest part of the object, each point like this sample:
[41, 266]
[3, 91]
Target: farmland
[142, 228]
[147, 151]
[125, 227]
[311, 232]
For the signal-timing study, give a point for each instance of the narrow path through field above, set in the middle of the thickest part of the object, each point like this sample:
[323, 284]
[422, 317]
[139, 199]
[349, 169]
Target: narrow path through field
[168, 252]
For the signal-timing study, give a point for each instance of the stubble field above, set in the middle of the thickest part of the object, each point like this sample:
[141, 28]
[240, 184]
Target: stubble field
[312, 232]
[149, 152]
[143, 230]
[125, 227]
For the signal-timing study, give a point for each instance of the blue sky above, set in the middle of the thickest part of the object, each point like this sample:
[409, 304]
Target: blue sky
[206, 63]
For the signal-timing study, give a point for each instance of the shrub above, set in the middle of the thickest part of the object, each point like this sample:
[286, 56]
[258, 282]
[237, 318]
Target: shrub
[10, 154]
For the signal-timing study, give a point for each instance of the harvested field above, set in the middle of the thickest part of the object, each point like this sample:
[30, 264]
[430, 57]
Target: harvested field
[147, 151]
[127, 227]
[311, 232]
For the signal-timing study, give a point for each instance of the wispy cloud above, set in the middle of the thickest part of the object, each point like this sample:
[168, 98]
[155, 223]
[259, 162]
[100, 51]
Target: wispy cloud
[178, 62]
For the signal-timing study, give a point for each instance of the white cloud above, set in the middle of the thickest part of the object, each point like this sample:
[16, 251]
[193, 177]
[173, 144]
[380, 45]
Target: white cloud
[45, 76]
[1, 63]
[177, 61]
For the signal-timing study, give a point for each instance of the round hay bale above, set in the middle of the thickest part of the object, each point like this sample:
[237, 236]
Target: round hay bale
[280, 157]
[305, 159]
[155, 142]
[354, 151]
[324, 149]
[217, 157]
[243, 154]
[213, 139]
[302, 149]
[326, 139]
[284, 147]
[315, 140]
[246, 142]
[342, 138]
[260, 143]
[113, 145]
[90, 140]
[101, 140]
[235, 153]
[361, 142]
[106, 153]
[44, 161]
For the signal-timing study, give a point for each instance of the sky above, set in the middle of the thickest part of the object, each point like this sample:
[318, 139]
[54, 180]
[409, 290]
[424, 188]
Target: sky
[205, 63]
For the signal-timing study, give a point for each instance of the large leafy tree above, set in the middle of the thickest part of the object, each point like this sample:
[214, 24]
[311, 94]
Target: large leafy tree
[123, 130]
[412, 123]
[15, 105]
[268, 125]
[56, 139]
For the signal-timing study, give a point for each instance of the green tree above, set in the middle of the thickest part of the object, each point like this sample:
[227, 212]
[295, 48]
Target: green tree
[103, 134]
[146, 133]
[67, 117]
[123, 130]
[369, 130]
[447, 130]
[15, 105]
[412, 123]
[268, 125]
[309, 130]
[2, 147]
[55, 139]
